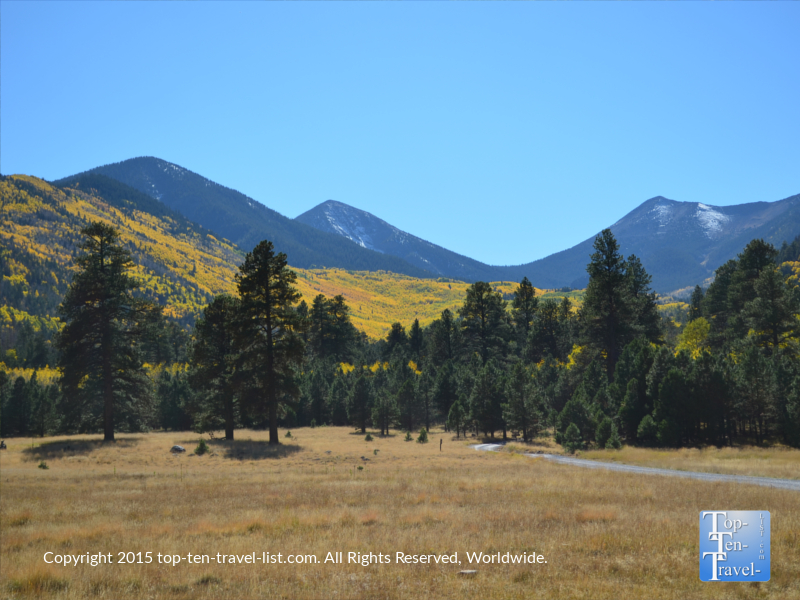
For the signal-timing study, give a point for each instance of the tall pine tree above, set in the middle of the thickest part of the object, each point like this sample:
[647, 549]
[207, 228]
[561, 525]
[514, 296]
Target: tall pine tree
[103, 378]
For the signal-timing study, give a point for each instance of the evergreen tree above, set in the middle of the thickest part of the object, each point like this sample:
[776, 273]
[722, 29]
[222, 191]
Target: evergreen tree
[696, 304]
[483, 321]
[318, 390]
[603, 432]
[545, 332]
[487, 399]
[445, 389]
[175, 399]
[407, 405]
[521, 412]
[213, 364]
[415, 341]
[17, 414]
[384, 412]
[100, 354]
[338, 400]
[524, 308]
[331, 334]
[645, 320]
[360, 406]
[606, 313]
[445, 340]
[572, 439]
[396, 339]
[457, 418]
[772, 314]
[268, 339]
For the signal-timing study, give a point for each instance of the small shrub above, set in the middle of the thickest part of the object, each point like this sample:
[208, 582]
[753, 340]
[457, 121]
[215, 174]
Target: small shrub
[408, 437]
[423, 436]
[368, 438]
[614, 443]
[647, 431]
[572, 439]
[360, 468]
[202, 447]
[603, 432]
[288, 434]
[43, 465]
[375, 452]
[313, 423]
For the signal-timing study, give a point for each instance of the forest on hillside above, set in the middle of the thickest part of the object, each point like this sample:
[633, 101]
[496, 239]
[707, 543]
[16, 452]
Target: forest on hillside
[505, 363]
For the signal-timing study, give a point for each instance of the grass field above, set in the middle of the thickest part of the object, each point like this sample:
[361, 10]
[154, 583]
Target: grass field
[603, 534]
[780, 462]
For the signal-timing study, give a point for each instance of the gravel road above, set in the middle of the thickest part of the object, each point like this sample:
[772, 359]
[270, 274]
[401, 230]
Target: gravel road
[787, 484]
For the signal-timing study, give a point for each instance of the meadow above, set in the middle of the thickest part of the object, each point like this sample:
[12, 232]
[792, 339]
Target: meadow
[603, 534]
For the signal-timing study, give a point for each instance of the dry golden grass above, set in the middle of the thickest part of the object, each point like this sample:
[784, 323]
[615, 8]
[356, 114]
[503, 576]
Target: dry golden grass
[604, 534]
[778, 461]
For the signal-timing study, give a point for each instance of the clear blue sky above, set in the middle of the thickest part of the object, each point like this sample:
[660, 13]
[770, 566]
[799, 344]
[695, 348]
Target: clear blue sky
[504, 131]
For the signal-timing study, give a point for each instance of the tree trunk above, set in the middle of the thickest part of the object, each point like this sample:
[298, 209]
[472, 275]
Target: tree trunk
[108, 390]
[273, 422]
[229, 418]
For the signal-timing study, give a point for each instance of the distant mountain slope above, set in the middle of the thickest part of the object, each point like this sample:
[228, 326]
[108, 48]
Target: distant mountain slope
[680, 243]
[243, 220]
[369, 231]
[178, 264]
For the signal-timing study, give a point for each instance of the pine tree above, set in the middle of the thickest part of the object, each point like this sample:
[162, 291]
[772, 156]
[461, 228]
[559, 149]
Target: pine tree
[359, 408]
[268, 338]
[772, 314]
[213, 362]
[396, 339]
[415, 340]
[445, 339]
[520, 411]
[696, 304]
[384, 412]
[100, 357]
[483, 321]
[606, 314]
[524, 308]
[457, 418]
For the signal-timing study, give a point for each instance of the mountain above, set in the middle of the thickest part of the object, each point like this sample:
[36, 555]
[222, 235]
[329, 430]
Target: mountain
[243, 220]
[368, 231]
[178, 264]
[680, 244]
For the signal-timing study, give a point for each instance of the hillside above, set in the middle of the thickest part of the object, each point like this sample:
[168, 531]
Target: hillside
[681, 244]
[243, 220]
[178, 264]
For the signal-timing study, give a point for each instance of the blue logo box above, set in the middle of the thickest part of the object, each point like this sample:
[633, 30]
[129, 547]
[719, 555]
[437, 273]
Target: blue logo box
[734, 545]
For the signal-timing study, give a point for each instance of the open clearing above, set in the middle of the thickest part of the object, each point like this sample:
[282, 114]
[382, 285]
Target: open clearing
[604, 534]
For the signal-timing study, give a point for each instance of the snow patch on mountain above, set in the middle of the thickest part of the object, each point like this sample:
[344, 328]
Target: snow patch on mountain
[663, 214]
[711, 220]
[347, 223]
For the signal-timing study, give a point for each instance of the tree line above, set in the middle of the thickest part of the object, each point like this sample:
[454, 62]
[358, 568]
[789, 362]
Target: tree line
[607, 371]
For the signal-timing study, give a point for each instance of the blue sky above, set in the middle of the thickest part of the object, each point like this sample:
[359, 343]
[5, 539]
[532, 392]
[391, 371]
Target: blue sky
[503, 131]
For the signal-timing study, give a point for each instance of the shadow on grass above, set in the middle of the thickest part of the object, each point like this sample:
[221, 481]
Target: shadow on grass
[62, 448]
[246, 449]
[375, 434]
